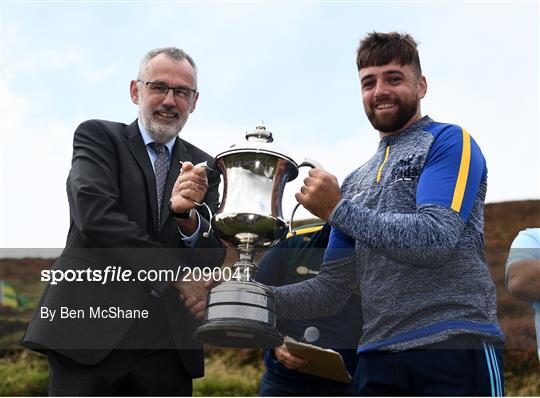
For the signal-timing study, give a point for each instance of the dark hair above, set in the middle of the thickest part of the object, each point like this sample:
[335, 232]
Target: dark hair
[377, 49]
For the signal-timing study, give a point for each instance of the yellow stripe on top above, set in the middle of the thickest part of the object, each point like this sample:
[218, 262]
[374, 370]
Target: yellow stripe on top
[463, 174]
[383, 163]
[305, 230]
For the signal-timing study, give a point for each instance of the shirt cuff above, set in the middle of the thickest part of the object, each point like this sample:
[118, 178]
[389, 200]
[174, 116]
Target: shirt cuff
[331, 218]
[191, 241]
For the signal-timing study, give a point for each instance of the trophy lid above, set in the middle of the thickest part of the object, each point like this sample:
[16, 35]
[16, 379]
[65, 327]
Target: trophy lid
[259, 140]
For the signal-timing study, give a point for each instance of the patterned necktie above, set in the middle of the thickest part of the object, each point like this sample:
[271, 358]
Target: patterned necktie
[161, 168]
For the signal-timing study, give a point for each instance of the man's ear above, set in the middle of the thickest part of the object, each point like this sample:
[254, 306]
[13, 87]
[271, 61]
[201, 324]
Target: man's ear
[422, 87]
[194, 102]
[134, 92]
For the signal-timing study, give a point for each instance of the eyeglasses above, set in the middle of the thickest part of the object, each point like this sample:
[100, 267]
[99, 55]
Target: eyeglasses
[162, 89]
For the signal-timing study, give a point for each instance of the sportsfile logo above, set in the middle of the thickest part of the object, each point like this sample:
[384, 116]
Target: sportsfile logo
[123, 274]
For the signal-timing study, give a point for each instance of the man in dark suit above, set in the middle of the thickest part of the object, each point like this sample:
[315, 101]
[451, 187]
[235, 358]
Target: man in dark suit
[132, 209]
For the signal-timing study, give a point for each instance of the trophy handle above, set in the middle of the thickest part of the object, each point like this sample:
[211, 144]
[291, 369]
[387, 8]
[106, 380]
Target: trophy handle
[205, 166]
[203, 204]
[311, 163]
[306, 163]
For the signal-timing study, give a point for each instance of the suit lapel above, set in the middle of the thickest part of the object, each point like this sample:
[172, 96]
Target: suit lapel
[137, 148]
[180, 153]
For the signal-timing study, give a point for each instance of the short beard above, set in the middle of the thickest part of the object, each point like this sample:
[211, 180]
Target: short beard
[397, 121]
[160, 132]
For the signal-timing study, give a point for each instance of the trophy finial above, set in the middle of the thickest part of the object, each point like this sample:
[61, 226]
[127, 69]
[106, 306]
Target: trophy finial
[259, 134]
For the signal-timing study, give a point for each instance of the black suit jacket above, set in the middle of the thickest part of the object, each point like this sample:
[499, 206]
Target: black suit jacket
[113, 222]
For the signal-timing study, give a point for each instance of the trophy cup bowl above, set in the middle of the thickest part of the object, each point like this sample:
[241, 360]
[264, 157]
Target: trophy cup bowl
[240, 312]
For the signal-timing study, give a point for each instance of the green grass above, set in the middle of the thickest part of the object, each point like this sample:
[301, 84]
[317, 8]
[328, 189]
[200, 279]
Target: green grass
[11, 340]
[23, 373]
[228, 373]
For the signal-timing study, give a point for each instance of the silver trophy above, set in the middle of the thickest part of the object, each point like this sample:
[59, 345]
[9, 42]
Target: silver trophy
[240, 312]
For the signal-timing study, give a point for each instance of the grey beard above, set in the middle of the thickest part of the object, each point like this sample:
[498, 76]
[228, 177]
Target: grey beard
[160, 133]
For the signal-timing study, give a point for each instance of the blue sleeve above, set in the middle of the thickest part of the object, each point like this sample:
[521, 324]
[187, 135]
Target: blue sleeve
[453, 171]
[273, 266]
[339, 246]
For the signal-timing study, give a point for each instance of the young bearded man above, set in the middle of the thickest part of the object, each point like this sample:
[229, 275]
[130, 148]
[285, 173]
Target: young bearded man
[408, 226]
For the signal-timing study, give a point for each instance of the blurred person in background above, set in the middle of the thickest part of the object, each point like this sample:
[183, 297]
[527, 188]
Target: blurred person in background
[523, 272]
[293, 260]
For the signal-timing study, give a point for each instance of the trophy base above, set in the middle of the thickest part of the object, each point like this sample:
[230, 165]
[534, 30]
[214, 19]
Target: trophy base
[241, 315]
[238, 333]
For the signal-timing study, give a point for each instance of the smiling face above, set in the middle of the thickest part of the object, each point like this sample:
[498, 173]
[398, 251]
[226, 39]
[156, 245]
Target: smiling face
[164, 115]
[391, 95]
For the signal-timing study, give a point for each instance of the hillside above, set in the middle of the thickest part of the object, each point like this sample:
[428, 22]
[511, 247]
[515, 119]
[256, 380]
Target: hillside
[502, 223]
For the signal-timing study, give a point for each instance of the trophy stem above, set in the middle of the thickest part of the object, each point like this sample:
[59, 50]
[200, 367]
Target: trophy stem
[240, 312]
[245, 264]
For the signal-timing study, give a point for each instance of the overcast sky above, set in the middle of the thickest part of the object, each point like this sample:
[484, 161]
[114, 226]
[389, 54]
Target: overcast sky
[290, 64]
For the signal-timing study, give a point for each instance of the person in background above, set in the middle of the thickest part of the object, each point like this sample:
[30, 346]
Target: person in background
[293, 260]
[523, 272]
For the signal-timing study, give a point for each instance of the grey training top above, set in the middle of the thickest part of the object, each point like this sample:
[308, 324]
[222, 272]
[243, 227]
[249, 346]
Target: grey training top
[414, 215]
